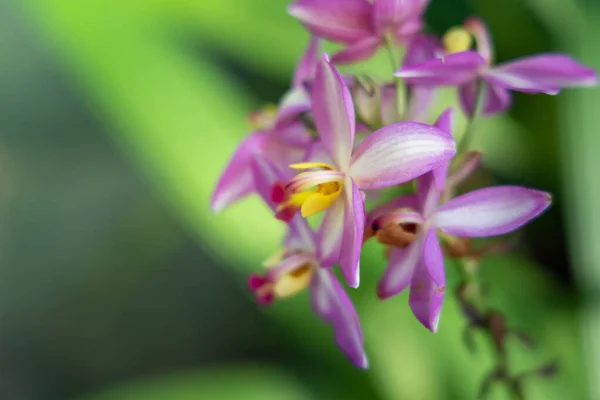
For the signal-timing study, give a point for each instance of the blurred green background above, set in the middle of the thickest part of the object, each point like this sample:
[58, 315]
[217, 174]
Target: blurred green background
[117, 281]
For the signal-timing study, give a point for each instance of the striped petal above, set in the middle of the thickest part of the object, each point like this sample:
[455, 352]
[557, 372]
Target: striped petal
[453, 69]
[400, 268]
[344, 21]
[491, 211]
[331, 303]
[333, 113]
[329, 235]
[353, 230]
[398, 153]
[543, 73]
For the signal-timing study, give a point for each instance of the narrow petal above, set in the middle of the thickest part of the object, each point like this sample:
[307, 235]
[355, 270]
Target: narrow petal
[300, 236]
[292, 105]
[265, 175]
[491, 211]
[496, 99]
[410, 201]
[400, 268]
[421, 101]
[428, 284]
[421, 49]
[357, 51]
[343, 21]
[333, 112]
[331, 303]
[444, 123]
[453, 69]
[236, 181]
[329, 235]
[544, 73]
[389, 14]
[482, 36]
[428, 192]
[305, 69]
[398, 153]
[354, 225]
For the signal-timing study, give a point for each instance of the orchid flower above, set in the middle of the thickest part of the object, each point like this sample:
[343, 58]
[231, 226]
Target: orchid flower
[360, 25]
[335, 175]
[409, 225]
[281, 137]
[543, 73]
[299, 266]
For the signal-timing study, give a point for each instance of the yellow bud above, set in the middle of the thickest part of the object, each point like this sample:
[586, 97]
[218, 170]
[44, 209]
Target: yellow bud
[457, 39]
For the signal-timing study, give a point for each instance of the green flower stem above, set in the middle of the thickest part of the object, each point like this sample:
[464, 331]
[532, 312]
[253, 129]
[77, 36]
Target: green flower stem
[400, 87]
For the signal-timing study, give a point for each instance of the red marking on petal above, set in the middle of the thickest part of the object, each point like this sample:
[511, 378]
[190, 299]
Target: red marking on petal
[278, 193]
[286, 213]
[265, 299]
[255, 281]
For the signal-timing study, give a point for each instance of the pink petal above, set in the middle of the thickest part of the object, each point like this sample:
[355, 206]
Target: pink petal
[428, 284]
[398, 153]
[409, 201]
[496, 99]
[300, 236]
[331, 303]
[329, 235]
[357, 51]
[343, 21]
[237, 181]
[393, 14]
[491, 211]
[305, 70]
[484, 43]
[354, 225]
[295, 102]
[444, 123]
[421, 49]
[421, 101]
[333, 113]
[453, 69]
[265, 175]
[544, 73]
[400, 268]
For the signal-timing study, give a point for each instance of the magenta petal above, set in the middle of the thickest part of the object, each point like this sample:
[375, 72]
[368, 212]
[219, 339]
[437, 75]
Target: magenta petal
[422, 99]
[333, 113]
[410, 201]
[343, 21]
[236, 181]
[354, 226]
[305, 70]
[444, 123]
[329, 235]
[491, 211]
[454, 69]
[400, 268]
[294, 102]
[398, 153]
[421, 49]
[544, 73]
[466, 166]
[357, 51]
[428, 284]
[331, 303]
[265, 175]
[496, 99]
[394, 14]
[299, 235]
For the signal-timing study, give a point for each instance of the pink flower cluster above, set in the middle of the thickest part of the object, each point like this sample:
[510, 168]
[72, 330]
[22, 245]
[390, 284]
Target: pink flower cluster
[334, 138]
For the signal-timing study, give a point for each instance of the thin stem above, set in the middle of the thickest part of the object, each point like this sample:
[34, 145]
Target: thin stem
[400, 88]
[467, 137]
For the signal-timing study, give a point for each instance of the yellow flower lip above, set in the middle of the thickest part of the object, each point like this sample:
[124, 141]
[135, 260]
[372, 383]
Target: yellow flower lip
[457, 39]
[316, 190]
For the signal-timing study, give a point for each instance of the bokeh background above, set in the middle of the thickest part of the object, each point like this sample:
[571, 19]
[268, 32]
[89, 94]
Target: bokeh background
[118, 283]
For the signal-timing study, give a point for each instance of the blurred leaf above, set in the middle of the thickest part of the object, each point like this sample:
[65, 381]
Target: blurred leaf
[254, 382]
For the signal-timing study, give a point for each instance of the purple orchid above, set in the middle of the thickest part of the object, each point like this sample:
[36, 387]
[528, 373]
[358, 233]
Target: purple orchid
[409, 225]
[281, 137]
[335, 175]
[300, 266]
[543, 73]
[360, 25]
